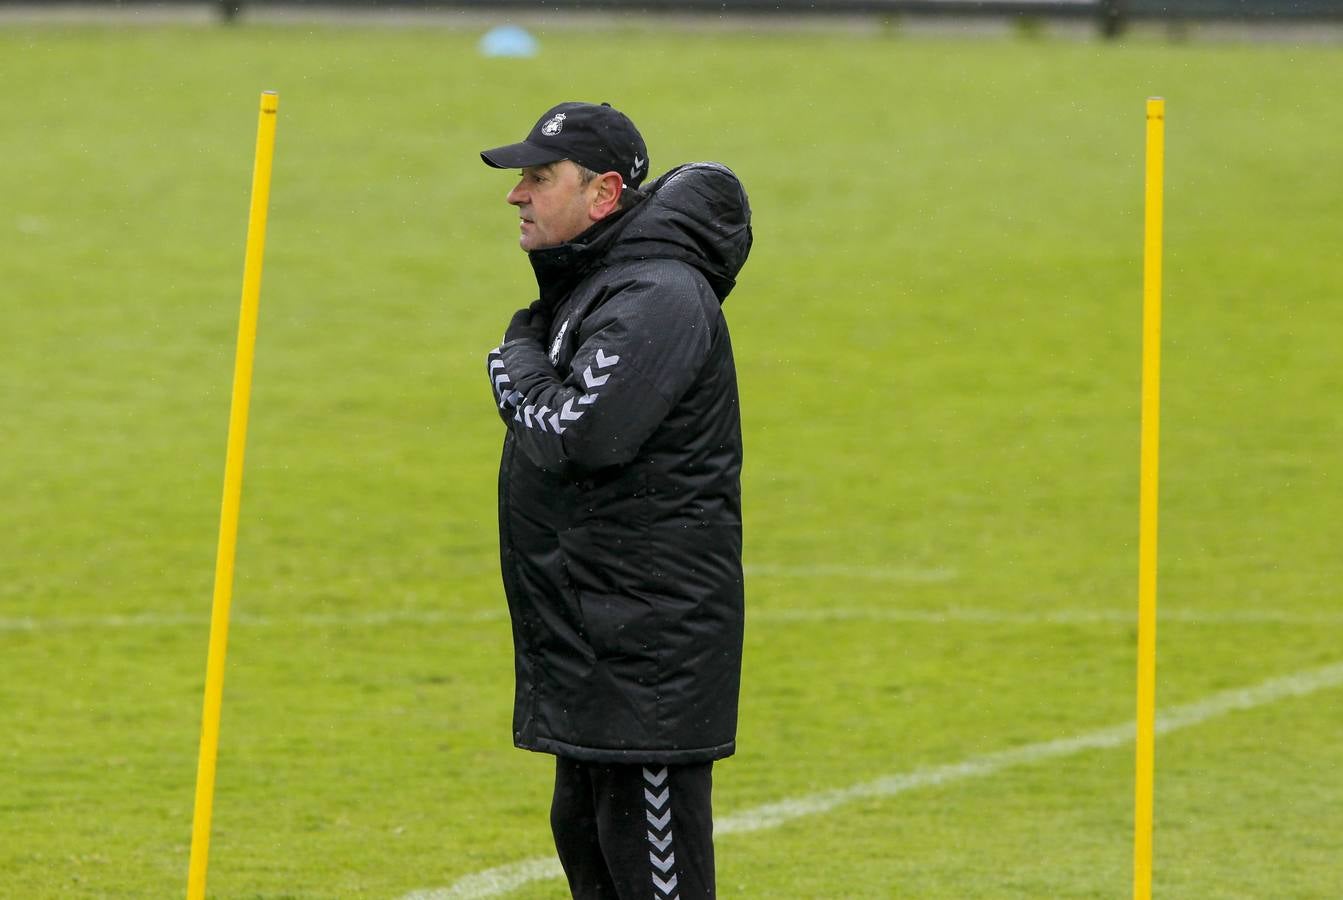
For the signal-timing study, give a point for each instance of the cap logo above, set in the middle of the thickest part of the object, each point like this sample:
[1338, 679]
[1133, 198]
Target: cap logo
[554, 125]
[638, 164]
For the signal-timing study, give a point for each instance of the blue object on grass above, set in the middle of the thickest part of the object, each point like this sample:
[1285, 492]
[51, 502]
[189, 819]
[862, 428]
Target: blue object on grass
[508, 40]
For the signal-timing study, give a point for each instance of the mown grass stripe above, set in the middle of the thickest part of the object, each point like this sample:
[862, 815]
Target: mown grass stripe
[779, 615]
[503, 879]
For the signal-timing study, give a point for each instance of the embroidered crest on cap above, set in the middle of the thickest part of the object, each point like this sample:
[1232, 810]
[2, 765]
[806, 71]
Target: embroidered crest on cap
[553, 127]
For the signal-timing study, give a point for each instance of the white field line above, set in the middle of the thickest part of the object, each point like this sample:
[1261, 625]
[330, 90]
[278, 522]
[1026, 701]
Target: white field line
[766, 616]
[904, 574]
[495, 882]
[503, 879]
[970, 614]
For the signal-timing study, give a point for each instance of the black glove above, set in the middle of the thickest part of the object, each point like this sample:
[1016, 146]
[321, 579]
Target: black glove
[532, 323]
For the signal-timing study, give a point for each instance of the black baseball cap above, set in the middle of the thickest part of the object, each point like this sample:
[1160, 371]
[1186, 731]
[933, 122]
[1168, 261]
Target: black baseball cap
[597, 137]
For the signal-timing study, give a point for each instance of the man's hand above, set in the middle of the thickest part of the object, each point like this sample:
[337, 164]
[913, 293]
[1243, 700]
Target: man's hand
[532, 323]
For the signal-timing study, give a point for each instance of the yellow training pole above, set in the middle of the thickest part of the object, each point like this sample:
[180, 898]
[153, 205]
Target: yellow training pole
[1147, 503]
[228, 514]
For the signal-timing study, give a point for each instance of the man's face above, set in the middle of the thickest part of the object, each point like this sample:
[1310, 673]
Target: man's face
[553, 204]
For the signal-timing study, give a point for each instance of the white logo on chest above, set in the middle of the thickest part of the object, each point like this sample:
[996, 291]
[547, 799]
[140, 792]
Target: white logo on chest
[555, 345]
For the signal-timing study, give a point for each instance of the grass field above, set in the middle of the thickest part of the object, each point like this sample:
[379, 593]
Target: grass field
[938, 343]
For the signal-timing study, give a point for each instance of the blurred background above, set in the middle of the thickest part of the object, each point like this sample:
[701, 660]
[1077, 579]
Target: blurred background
[1109, 18]
[937, 339]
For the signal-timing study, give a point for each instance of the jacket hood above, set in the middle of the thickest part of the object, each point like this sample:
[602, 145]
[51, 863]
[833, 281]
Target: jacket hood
[697, 213]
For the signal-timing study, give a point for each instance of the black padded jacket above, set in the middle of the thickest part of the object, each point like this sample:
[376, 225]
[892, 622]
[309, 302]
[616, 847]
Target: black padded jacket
[620, 483]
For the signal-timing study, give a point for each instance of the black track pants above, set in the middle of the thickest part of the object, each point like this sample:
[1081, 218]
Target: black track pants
[634, 832]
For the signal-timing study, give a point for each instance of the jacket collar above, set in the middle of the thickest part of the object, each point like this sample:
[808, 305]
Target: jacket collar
[560, 269]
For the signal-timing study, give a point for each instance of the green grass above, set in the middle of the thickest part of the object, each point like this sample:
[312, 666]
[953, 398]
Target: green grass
[938, 343]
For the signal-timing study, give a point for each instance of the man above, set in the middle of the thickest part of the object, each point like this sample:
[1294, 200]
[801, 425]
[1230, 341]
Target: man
[620, 497]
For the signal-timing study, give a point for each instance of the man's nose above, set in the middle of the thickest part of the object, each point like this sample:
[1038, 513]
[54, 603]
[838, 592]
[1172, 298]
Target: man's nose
[516, 196]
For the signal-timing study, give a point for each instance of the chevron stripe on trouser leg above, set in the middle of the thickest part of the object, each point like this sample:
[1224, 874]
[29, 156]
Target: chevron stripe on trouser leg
[635, 832]
[661, 838]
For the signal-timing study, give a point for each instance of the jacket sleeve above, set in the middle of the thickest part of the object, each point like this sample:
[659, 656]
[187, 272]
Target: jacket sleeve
[639, 352]
[503, 386]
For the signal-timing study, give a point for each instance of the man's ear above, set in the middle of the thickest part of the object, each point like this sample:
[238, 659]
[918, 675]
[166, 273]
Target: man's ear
[607, 198]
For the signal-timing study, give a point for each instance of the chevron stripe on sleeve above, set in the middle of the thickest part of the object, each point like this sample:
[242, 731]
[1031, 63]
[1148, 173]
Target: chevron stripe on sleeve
[555, 421]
